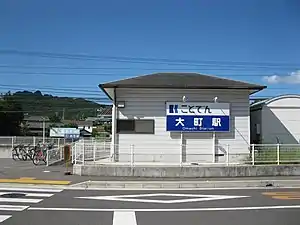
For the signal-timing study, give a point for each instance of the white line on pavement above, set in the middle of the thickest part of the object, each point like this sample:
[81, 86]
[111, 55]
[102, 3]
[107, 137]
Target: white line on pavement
[124, 218]
[23, 200]
[13, 207]
[4, 217]
[30, 194]
[169, 210]
[133, 198]
[30, 189]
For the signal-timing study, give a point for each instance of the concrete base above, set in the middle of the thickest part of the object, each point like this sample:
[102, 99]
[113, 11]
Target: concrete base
[187, 171]
[5, 152]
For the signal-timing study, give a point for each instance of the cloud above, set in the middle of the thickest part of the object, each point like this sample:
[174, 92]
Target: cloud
[292, 78]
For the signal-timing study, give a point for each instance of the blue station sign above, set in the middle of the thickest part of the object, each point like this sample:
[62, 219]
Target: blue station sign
[198, 117]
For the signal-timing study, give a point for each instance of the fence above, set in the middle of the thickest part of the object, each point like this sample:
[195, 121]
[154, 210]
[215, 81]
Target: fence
[255, 154]
[11, 141]
[54, 155]
[90, 151]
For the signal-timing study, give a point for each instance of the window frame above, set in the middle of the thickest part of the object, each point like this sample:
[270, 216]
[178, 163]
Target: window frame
[134, 126]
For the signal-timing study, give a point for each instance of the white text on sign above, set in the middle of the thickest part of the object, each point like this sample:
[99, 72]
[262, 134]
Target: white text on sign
[198, 122]
[216, 122]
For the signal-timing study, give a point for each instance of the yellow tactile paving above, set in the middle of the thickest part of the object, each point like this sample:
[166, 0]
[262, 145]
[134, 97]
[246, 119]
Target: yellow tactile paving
[283, 195]
[34, 181]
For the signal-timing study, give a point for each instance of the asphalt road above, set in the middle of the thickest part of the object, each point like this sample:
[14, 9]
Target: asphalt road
[80, 207]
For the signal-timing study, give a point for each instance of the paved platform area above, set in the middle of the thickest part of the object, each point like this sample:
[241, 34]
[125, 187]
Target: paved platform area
[228, 207]
[25, 172]
[10, 169]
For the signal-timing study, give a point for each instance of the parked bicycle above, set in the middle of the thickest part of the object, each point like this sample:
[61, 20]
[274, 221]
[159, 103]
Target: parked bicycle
[35, 153]
[18, 152]
[40, 153]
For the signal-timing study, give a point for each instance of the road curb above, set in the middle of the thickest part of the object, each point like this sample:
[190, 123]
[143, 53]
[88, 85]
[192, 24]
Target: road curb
[164, 185]
[134, 185]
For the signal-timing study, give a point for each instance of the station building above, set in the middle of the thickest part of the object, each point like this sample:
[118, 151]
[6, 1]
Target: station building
[180, 118]
[276, 120]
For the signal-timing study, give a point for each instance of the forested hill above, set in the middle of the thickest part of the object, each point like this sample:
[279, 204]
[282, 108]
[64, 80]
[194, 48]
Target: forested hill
[38, 104]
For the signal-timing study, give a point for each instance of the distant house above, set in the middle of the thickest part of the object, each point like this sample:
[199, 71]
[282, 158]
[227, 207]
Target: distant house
[105, 115]
[86, 127]
[276, 120]
[34, 125]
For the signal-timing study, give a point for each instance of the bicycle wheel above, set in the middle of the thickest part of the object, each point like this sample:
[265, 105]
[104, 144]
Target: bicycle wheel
[45, 157]
[36, 158]
[30, 153]
[19, 149]
[23, 154]
[14, 153]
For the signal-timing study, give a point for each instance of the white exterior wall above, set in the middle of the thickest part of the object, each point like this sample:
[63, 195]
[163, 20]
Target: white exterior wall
[166, 146]
[87, 128]
[281, 118]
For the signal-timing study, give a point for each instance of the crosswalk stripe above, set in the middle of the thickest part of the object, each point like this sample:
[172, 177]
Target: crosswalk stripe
[13, 207]
[23, 200]
[30, 194]
[4, 217]
[31, 189]
[124, 218]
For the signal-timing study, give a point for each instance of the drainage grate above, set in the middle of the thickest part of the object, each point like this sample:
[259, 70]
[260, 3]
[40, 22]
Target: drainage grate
[13, 195]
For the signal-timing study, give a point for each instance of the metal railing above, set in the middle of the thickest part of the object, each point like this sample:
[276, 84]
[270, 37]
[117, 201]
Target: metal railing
[54, 155]
[256, 154]
[90, 151]
[10, 142]
[275, 154]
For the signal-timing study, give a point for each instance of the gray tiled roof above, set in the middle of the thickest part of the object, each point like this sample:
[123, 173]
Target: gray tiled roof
[181, 80]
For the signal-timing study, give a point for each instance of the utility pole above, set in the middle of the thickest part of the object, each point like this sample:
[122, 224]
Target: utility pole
[44, 130]
[63, 114]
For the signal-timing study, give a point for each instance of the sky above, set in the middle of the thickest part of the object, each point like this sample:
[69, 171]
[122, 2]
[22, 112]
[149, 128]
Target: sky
[67, 48]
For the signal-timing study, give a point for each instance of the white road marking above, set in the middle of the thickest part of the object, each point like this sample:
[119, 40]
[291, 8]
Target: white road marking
[13, 207]
[29, 194]
[4, 217]
[24, 200]
[170, 210]
[138, 198]
[30, 189]
[124, 218]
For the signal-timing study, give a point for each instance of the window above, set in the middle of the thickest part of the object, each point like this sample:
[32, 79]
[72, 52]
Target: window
[125, 126]
[135, 126]
[144, 126]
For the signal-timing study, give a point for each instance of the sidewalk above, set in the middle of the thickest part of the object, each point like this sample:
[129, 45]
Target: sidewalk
[20, 172]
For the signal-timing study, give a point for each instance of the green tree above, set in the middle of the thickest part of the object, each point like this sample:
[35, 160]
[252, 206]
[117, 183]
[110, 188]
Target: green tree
[24, 128]
[55, 118]
[107, 128]
[11, 116]
[71, 125]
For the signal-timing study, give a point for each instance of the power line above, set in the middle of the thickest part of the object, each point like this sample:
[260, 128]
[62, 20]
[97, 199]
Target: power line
[205, 67]
[115, 74]
[57, 73]
[70, 92]
[43, 111]
[142, 59]
[77, 90]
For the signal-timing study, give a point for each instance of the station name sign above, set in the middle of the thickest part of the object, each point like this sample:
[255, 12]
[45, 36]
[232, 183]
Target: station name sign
[198, 117]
